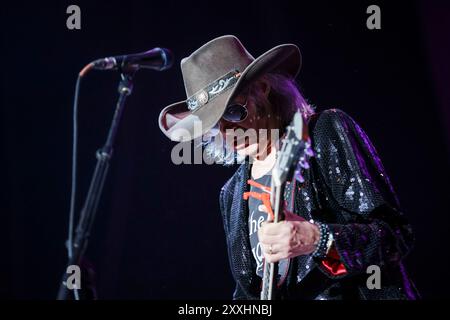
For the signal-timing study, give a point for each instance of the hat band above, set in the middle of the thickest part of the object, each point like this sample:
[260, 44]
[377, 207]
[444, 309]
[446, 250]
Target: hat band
[212, 90]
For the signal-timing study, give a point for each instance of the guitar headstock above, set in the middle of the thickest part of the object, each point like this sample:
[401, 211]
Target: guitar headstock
[294, 153]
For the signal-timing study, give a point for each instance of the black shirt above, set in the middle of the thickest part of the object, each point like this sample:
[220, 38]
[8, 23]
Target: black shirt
[255, 218]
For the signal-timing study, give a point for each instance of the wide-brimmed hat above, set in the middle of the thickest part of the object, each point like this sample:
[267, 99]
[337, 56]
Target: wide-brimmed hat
[213, 75]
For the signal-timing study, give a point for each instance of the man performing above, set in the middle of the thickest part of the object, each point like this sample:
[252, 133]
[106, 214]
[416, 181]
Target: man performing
[345, 223]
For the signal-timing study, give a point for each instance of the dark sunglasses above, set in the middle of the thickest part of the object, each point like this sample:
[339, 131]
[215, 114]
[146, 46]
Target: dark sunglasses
[236, 112]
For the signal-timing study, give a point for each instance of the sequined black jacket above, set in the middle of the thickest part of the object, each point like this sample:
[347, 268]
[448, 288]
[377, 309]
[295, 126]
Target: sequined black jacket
[347, 188]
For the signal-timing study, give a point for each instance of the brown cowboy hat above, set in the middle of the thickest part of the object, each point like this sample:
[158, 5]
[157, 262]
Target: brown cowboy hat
[213, 75]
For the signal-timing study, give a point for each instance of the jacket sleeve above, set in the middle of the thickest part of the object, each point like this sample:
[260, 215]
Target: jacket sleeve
[238, 293]
[225, 202]
[367, 225]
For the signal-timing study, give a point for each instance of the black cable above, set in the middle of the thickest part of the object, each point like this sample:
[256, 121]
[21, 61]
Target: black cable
[74, 169]
[73, 192]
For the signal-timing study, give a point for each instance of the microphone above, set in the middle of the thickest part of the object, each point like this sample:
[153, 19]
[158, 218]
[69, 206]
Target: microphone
[158, 59]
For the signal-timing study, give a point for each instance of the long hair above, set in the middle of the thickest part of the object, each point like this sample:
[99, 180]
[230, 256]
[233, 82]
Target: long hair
[283, 101]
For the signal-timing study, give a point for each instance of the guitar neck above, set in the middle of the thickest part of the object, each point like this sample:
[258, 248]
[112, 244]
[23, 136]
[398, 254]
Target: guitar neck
[271, 269]
[276, 201]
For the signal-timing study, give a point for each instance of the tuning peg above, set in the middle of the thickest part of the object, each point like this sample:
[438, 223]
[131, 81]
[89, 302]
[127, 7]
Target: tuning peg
[309, 151]
[308, 148]
[303, 163]
[299, 177]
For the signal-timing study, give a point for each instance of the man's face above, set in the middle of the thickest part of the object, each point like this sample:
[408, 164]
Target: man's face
[248, 135]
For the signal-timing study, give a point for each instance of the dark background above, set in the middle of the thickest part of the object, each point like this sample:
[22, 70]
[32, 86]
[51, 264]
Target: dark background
[158, 233]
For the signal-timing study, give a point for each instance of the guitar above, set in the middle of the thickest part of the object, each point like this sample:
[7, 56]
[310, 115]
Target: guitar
[292, 160]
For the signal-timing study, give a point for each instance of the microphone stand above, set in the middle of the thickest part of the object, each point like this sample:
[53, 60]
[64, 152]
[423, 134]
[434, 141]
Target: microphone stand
[103, 156]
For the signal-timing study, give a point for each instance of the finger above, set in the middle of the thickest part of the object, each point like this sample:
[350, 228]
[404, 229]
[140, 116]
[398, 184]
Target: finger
[274, 257]
[269, 239]
[268, 249]
[272, 228]
[266, 240]
[265, 223]
[271, 250]
[284, 227]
